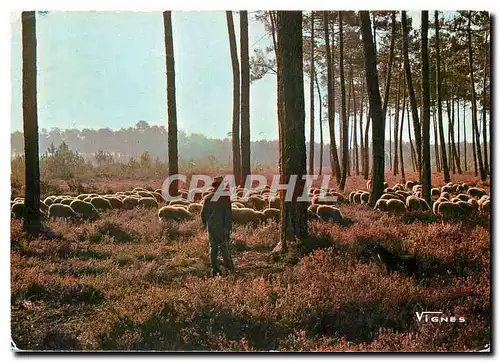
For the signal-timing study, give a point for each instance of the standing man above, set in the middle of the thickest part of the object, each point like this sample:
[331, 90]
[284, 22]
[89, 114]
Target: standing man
[216, 216]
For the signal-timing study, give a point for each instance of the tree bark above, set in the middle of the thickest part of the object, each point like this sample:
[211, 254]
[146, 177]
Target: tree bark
[245, 97]
[311, 97]
[444, 158]
[294, 213]
[361, 140]
[412, 147]
[173, 157]
[426, 114]
[375, 106]
[355, 132]
[320, 126]
[465, 140]
[396, 128]
[436, 143]
[31, 222]
[235, 134]
[401, 155]
[344, 120]
[334, 160]
[411, 93]
[474, 105]
[485, 139]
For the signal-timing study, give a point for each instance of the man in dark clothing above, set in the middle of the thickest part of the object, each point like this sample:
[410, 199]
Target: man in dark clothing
[216, 216]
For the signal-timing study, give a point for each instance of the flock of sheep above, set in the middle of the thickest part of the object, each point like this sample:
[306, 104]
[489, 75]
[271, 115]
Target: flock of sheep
[252, 206]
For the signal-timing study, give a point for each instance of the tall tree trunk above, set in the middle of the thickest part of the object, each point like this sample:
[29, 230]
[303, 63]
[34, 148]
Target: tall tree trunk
[366, 170]
[294, 213]
[376, 108]
[465, 140]
[320, 126]
[349, 129]
[311, 97]
[389, 66]
[411, 93]
[245, 97]
[485, 139]
[361, 140]
[31, 222]
[436, 143]
[412, 147]
[451, 159]
[173, 158]
[474, 105]
[390, 140]
[444, 159]
[458, 133]
[344, 120]
[355, 132]
[396, 127]
[426, 114]
[279, 86]
[235, 134]
[474, 150]
[403, 178]
[334, 160]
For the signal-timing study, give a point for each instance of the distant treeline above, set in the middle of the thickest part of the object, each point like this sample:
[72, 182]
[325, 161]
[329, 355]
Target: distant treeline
[132, 142]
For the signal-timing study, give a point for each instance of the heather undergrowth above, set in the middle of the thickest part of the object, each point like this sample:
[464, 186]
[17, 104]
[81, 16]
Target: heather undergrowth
[129, 282]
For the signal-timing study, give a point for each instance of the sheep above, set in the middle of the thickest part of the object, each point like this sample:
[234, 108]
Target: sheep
[398, 187]
[136, 189]
[388, 190]
[116, 202]
[403, 194]
[365, 197]
[158, 191]
[130, 202]
[312, 215]
[179, 202]
[396, 206]
[435, 193]
[474, 203]
[326, 212]
[195, 208]
[449, 210]
[18, 209]
[274, 214]
[369, 185]
[237, 205]
[67, 201]
[144, 193]
[158, 196]
[340, 198]
[313, 208]
[409, 184]
[465, 187]
[256, 202]
[424, 206]
[476, 192]
[381, 205]
[82, 196]
[412, 203]
[43, 206]
[446, 195]
[100, 203]
[351, 197]
[466, 207]
[148, 203]
[389, 197]
[61, 211]
[416, 188]
[448, 189]
[49, 200]
[57, 200]
[485, 206]
[173, 213]
[246, 215]
[357, 198]
[84, 209]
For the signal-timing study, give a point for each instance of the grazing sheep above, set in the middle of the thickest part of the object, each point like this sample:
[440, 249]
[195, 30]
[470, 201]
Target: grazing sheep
[435, 193]
[409, 184]
[476, 192]
[369, 185]
[396, 206]
[388, 197]
[273, 214]
[447, 189]
[179, 202]
[256, 202]
[237, 205]
[138, 189]
[84, 209]
[449, 210]
[195, 208]
[398, 187]
[246, 215]
[43, 206]
[311, 215]
[466, 207]
[130, 202]
[158, 191]
[365, 197]
[313, 208]
[87, 199]
[416, 188]
[173, 213]
[485, 206]
[340, 198]
[474, 203]
[67, 201]
[351, 196]
[413, 203]
[463, 197]
[18, 209]
[403, 194]
[101, 203]
[326, 212]
[116, 203]
[57, 200]
[195, 194]
[148, 203]
[144, 194]
[386, 184]
[388, 190]
[424, 206]
[465, 187]
[49, 200]
[61, 211]
[157, 196]
[381, 205]
[446, 195]
[357, 198]
[82, 196]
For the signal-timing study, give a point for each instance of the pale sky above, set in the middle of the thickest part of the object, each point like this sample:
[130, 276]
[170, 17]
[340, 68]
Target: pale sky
[107, 69]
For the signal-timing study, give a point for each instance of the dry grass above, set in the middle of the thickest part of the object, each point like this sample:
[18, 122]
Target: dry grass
[128, 282]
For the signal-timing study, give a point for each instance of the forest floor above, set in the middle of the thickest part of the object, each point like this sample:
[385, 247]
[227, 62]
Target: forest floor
[129, 282]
